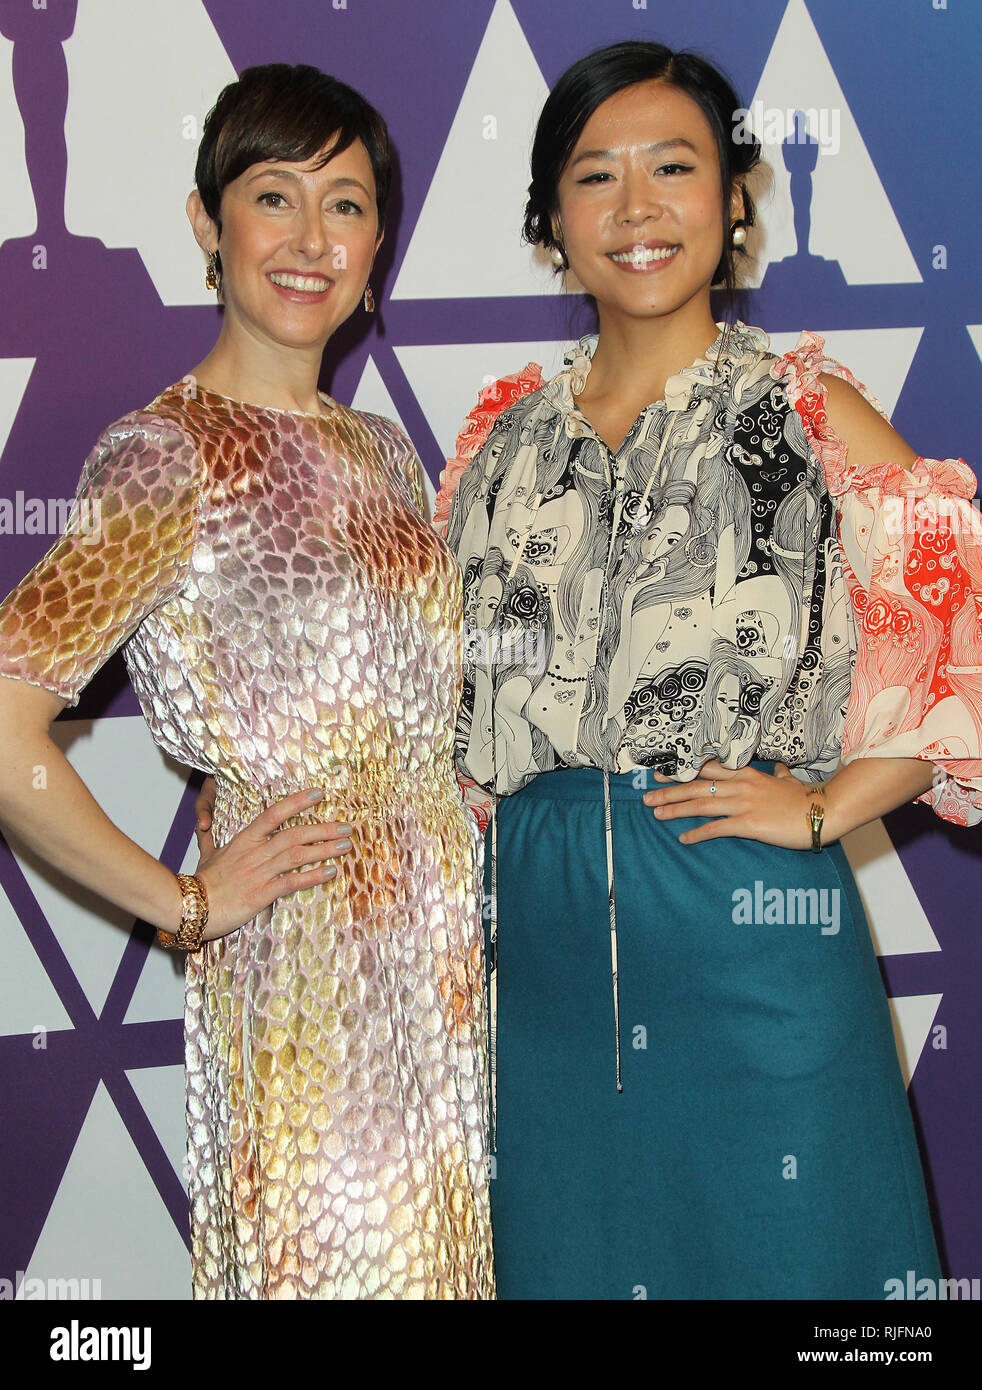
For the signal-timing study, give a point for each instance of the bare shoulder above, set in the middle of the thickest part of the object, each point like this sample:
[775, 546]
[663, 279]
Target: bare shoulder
[870, 438]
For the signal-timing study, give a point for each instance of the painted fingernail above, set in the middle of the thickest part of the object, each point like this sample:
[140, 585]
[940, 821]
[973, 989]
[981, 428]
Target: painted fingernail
[344, 827]
[343, 844]
[315, 796]
[329, 873]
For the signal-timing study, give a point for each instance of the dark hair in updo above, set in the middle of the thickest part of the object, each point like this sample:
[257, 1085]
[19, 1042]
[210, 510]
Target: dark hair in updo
[588, 83]
[281, 112]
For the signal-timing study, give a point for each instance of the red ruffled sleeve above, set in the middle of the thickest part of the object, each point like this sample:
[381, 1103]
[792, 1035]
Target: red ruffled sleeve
[911, 545]
[490, 403]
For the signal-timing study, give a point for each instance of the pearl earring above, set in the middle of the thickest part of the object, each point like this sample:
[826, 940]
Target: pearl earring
[738, 233]
[558, 257]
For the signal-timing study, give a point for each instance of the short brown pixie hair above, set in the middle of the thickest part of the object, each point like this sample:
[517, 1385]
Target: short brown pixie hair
[279, 111]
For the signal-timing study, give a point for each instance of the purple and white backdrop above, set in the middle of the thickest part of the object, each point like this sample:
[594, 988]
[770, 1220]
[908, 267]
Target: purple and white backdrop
[874, 243]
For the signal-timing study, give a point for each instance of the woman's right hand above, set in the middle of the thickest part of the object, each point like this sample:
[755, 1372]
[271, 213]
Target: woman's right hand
[262, 862]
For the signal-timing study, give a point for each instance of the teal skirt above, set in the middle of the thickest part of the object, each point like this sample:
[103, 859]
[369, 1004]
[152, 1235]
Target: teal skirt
[762, 1145]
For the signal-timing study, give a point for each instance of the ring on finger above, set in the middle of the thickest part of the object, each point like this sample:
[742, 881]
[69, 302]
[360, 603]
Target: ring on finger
[712, 788]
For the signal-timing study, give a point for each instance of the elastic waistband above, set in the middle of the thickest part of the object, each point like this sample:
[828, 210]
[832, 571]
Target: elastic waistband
[586, 784]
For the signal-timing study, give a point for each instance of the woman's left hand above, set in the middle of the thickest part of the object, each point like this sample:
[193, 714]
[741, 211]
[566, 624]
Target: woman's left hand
[754, 805]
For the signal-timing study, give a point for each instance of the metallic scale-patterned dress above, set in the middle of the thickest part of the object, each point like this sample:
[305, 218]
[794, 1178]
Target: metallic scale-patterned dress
[293, 622]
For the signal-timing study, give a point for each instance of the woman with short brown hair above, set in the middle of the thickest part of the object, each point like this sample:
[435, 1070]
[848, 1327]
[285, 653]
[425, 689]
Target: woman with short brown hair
[292, 627]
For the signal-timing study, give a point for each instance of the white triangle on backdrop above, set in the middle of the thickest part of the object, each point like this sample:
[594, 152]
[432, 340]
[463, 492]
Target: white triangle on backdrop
[912, 1016]
[107, 1221]
[447, 379]
[975, 333]
[139, 790]
[897, 920]
[159, 992]
[161, 1092]
[18, 210]
[852, 221]
[15, 373]
[133, 128]
[467, 243]
[373, 394]
[879, 357]
[28, 999]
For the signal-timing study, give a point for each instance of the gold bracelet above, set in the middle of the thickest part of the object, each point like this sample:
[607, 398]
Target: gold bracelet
[194, 916]
[816, 816]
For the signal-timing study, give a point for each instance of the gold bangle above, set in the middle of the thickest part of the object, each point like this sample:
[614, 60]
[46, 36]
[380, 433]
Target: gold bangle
[816, 816]
[194, 916]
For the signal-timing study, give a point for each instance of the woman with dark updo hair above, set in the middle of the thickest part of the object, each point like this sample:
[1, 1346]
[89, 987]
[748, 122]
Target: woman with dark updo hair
[727, 1117]
[292, 627]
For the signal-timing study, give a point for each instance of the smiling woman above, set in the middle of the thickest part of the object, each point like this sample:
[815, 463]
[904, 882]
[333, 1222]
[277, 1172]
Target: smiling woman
[691, 534]
[291, 212]
[292, 627]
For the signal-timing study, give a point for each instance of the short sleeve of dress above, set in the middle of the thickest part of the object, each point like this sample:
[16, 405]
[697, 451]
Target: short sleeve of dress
[125, 551]
[911, 545]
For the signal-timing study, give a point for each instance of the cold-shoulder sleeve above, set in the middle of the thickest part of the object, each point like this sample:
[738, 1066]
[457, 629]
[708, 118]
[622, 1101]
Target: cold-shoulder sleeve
[911, 545]
[491, 402]
[125, 551]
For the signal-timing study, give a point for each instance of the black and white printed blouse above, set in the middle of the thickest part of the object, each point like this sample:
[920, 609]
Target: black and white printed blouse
[678, 600]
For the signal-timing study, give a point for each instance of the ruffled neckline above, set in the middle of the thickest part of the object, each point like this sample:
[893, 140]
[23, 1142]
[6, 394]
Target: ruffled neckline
[733, 344]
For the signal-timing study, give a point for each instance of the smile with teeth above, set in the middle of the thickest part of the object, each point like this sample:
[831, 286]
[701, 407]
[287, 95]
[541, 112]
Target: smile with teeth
[643, 255]
[308, 284]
